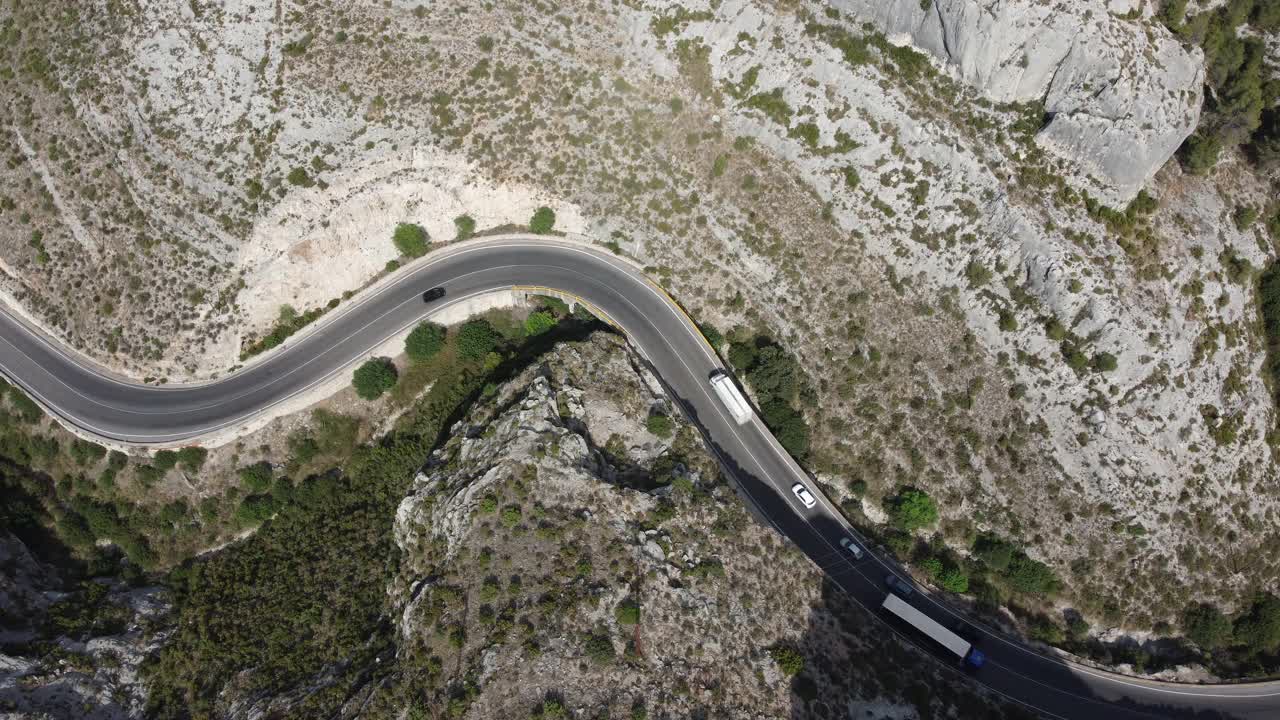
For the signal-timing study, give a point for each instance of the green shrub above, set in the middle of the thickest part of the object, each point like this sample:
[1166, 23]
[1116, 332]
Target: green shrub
[1031, 577]
[74, 530]
[1104, 362]
[425, 341]
[410, 239]
[551, 709]
[489, 504]
[1172, 13]
[539, 322]
[476, 339]
[1045, 630]
[777, 379]
[26, 408]
[465, 225]
[288, 323]
[713, 335]
[789, 660]
[994, 552]
[1245, 216]
[543, 220]
[374, 377]
[86, 453]
[1258, 628]
[711, 567]
[912, 509]
[511, 516]
[719, 165]
[302, 448]
[851, 178]
[931, 566]
[192, 458]
[599, 648]
[148, 476]
[1200, 153]
[1206, 626]
[165, 460]
[977, 274]
[659, 425]
[954, 579]
[256, 478]
[1054, 330]
[336, 434]
[772, 105]
[1075, 358]
[627, 613]
[299, 177]
[1268, 294]
[255, 509]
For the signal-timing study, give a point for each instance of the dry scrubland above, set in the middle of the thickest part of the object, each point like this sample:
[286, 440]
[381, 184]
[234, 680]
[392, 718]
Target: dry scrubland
[970, 323]
[548, 563]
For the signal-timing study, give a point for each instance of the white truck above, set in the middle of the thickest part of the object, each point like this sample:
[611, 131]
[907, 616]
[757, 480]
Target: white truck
[958, 646]
[731, 396]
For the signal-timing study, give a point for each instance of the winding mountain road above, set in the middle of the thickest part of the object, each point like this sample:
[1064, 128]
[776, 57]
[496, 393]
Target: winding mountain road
[96, 403]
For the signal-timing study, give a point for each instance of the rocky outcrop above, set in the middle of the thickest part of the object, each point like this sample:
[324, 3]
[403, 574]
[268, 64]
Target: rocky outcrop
[1119, 95]
[72, 649]
[534, 566]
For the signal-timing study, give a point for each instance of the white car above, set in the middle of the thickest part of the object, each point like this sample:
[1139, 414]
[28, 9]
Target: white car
[803, 493]
[852, 547]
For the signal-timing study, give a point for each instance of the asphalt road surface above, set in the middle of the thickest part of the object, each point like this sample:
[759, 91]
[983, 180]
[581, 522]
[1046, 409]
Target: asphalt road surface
[69, 386]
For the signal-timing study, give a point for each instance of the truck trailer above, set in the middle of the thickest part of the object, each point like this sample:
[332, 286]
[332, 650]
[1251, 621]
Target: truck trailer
[968, 654]
[731, 396]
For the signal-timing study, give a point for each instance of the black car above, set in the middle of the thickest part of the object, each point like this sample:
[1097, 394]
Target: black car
[434, 293]
[899, 587]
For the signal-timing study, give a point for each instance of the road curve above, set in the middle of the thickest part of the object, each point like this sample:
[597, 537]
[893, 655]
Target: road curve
[96, 403]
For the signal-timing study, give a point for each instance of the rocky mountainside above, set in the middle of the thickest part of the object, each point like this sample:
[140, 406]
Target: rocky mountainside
[556, 553]
[1119, 96]
[973, 315]
[568, 550]
[72, 649]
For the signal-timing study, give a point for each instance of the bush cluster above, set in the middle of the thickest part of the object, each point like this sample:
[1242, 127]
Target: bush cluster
[289, 322]
[1240, 98]
[778, 382]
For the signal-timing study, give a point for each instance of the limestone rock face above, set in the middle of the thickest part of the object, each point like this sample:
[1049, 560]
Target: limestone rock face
[1120, 95]
[73, 668]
